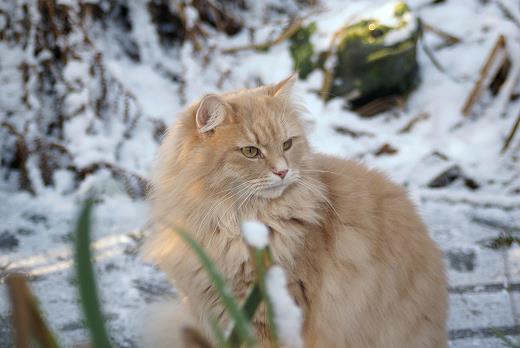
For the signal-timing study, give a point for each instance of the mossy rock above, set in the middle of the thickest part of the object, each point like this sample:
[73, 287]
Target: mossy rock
[302, 50]
[376, 57]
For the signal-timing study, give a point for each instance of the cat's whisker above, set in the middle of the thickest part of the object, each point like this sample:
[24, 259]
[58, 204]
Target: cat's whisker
[219, 218]
[316, 190]
[322, 171]
[244, 186]
[254, 190]
[242, 193]
[248, 182]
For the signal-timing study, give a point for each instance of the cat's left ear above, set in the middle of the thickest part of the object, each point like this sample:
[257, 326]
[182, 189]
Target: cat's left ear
[284, 87]
[210, 113]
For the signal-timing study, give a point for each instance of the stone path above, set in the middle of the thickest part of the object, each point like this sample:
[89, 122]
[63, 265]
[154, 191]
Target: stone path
[484, 271]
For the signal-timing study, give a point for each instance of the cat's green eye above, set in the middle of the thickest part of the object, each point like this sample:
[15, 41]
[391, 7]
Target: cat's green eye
[250, 151]
[287, 145]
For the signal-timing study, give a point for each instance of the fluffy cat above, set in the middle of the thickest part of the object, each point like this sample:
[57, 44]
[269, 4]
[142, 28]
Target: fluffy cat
[359, 260]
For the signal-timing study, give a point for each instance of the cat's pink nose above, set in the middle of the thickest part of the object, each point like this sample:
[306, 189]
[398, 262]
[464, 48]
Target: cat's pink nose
[281, 173]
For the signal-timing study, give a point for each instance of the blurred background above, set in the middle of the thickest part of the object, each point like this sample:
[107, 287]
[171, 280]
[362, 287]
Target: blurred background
[426, 90]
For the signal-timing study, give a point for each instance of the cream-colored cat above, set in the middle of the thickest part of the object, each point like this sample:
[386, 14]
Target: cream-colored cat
[359, 260]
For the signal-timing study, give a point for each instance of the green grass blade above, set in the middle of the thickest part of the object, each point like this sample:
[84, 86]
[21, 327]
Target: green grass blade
[506, 340]
[252, 302]
[249, 308]
[86, 280]
[242, 323]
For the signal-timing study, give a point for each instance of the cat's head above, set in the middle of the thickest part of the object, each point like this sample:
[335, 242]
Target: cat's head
[249, 142]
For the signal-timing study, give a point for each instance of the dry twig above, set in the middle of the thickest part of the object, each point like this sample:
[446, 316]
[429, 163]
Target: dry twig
[408, 127]
[511, 135]
[27, 320]
[289, 31]
[449, 39]
[484, 72]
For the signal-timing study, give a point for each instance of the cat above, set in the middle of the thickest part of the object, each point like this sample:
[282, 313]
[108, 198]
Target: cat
[359, 260]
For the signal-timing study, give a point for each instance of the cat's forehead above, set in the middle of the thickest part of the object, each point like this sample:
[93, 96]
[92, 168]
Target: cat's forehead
[262, 121]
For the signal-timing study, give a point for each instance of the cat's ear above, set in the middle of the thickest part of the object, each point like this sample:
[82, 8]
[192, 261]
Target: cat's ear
[211, 112]
[284, 87]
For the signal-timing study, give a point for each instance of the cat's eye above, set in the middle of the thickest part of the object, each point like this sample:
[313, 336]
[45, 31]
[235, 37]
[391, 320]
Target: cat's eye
[287, 145]
[250, 151]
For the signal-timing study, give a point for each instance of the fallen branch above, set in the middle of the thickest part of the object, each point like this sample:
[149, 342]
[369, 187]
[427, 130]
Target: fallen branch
[289, 31]
[436, 63]
[511, 135]
[386, 149]
[484, 72]
[509, 13]
[328, 73]
[21, 157]
[408, 127]
[380, 105]
[135, 185]
[449, 39]
[353, 133]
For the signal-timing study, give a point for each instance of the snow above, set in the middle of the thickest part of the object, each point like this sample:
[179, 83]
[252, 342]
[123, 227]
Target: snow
[163, 81]
[287, 315]
[255, 233]
[404, 32]
[384, 14]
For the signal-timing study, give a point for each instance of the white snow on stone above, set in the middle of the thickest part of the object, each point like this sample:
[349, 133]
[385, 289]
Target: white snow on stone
[288, 316]
[384, 14]
[403, 33]
[255, 233]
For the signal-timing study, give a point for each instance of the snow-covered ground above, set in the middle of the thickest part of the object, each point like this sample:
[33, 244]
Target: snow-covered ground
[35, 230]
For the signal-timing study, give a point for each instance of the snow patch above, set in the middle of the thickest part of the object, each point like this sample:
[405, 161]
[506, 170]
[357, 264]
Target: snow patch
[255, 233]
[287, 315]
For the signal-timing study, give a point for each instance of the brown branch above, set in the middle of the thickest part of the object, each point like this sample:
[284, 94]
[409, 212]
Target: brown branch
[22, 155]
[130, 180]
[27, 319]
[408, 127]
[472, 98]
[353, 133]
[289, 31]
[380, 105]
[449, 39]
[508, 13]
[511, 135]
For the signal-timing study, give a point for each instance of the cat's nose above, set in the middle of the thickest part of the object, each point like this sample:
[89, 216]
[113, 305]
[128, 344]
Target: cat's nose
[281, 173]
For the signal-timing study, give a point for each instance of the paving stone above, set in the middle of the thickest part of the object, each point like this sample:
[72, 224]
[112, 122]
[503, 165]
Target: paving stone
[476, 342]
[479, 310]
[5, 331]
[474, 265]
[8, 241]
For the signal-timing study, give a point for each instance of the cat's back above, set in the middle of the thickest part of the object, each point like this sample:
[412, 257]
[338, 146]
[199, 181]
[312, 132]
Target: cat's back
[367, 198]
[367, 203]
[386, 269]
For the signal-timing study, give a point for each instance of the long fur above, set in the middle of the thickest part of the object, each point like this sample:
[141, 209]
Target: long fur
[359, 259]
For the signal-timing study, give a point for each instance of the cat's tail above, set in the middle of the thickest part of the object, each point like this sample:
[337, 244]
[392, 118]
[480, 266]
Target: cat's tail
[164, 323]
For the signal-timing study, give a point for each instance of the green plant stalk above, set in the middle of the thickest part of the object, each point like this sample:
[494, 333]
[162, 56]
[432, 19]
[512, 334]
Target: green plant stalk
[249, 307]
[86, 280]
[506, 340]
[263, 259]
[242, 324]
